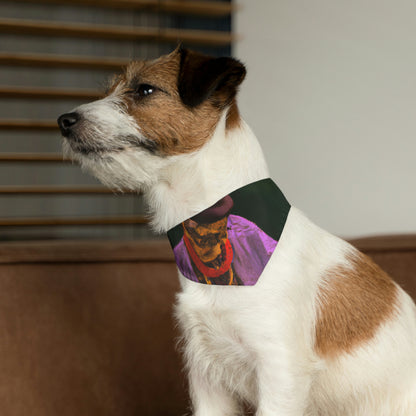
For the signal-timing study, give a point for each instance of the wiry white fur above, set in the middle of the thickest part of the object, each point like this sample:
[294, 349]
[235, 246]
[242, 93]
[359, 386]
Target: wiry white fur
[256, 344]
[172, 197]
[379, 378]
[106, 124]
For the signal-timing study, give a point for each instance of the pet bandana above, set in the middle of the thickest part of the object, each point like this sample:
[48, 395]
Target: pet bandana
[231, 242]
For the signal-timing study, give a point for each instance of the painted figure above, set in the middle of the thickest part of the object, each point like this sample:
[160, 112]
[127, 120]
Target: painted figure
[219, 248]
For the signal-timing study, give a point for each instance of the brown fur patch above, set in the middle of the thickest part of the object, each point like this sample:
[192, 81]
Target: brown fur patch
[353, 303]
[233, 116]
[162, 117]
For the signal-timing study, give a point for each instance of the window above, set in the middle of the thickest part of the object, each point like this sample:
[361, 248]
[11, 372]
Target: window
[55, 55]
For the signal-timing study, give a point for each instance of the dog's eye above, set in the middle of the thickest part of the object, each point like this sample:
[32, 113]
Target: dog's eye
[143, 90]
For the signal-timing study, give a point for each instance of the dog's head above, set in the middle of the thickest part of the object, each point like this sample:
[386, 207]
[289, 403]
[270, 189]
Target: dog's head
[152, 112]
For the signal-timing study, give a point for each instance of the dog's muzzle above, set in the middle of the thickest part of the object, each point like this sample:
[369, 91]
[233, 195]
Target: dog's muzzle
[67, 123]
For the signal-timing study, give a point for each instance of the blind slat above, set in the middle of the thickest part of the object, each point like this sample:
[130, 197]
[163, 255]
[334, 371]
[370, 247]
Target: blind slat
[202, 8]
[32, 222]
[28, 125]
[31, 157]
[48, 93]
[61, 61]
[59, 190]
[61, 29]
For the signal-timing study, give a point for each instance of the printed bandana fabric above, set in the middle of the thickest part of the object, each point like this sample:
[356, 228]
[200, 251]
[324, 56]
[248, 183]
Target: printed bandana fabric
[231, 242]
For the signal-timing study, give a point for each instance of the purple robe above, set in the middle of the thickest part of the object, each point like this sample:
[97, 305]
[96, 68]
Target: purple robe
[252, 249]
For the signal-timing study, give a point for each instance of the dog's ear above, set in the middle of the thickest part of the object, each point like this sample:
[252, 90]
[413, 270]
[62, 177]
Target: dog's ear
[202, 77]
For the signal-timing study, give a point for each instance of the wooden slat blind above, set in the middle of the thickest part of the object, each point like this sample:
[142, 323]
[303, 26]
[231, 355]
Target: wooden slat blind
[20, 125]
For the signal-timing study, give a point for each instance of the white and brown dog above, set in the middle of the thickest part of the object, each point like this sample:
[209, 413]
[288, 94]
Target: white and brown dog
[324, 331]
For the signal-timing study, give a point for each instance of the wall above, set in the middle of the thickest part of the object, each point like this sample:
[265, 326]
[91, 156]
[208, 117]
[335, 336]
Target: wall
[331, 95]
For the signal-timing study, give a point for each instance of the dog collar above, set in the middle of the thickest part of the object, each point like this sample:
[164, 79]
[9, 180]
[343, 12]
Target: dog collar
[212, 250]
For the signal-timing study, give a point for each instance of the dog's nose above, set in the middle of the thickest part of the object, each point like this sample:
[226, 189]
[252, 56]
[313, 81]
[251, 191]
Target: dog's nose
[67, 121]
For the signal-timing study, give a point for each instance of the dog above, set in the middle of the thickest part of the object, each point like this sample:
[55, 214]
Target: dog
[323, 331]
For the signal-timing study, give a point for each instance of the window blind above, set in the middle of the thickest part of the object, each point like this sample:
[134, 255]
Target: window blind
[55, 55]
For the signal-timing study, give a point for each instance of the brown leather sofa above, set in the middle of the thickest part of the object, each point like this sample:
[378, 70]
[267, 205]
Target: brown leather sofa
[86, 328]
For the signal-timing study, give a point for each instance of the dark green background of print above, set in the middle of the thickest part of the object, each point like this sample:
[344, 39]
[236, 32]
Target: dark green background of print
[261, 202]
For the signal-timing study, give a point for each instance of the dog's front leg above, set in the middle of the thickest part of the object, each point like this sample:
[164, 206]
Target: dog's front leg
[209, 398]
[282, 386]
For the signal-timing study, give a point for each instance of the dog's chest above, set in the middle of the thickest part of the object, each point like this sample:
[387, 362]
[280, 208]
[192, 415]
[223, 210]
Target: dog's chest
[215, 341]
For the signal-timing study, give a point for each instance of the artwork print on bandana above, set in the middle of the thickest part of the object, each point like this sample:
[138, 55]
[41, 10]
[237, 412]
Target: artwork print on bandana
[231, 242]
